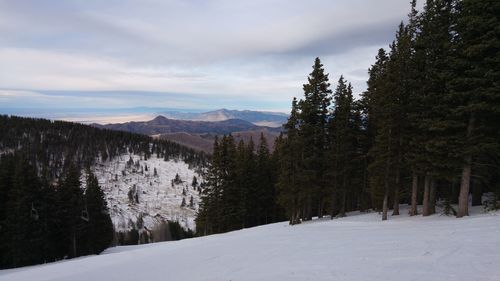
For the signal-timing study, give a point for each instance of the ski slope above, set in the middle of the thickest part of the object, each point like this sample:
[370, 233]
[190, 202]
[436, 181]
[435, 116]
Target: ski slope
[358, 247]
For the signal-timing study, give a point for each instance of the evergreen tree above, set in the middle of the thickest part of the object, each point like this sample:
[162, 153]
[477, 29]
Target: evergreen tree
[342, 147]
[474, 89]
[312, 131]
[290, 183]
[23, 229]
[70, 213]
[266, 194]
[99, 229]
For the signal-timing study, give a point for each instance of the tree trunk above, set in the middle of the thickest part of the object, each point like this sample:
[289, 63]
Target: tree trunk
[386, 178]
[333, 199]
[425, 202]
[395, 210]
[320, 208]
[384, 205]
[395, 206]
[432, 198]
[414, 193]
[343, 203]
[463, 198]
[73, 242]
[343, 198]
[309, 207]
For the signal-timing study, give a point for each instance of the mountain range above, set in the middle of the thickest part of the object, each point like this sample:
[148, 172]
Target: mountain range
[260, 118]
[163, 125]
[200, 135]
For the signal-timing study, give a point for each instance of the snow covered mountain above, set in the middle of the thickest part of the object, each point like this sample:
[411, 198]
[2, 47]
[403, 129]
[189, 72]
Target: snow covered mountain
[143, 193]
[358, 247]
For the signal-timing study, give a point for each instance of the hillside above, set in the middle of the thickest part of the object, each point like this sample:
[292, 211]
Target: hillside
[205, 142]
[163, 125]
[136, 172]
[136, 191]
[358, 247]
[260, 118]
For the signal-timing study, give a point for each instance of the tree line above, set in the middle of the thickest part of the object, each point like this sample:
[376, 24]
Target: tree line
[425, 131]
[239, 187]
[53, 146]
[41, 222]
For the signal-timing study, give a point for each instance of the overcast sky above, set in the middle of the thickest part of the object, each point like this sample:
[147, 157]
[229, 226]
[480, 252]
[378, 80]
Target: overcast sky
[184, 54]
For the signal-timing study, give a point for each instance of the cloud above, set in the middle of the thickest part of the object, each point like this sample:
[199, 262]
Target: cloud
[245, 53]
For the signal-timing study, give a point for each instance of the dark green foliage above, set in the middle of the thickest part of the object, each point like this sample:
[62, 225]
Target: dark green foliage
[312, 131]
[99, 228]
[343, 157]
[42, 223]
[238, 193]
[289, 150]
[177, 232]
[22, 225]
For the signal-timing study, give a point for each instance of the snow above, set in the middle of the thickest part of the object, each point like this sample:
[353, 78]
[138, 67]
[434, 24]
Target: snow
[158, 198]
[358, 247]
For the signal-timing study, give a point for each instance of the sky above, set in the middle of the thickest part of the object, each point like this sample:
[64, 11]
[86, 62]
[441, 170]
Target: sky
[82, 55]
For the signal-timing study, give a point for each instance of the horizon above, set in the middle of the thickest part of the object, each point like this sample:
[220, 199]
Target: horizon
[105, 116]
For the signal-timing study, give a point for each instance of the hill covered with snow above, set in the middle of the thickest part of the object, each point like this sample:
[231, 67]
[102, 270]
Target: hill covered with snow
[144, 192]
[358, 247]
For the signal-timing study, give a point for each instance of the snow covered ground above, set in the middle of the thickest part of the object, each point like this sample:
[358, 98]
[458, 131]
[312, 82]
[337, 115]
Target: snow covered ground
[157, 197]
[358, 247]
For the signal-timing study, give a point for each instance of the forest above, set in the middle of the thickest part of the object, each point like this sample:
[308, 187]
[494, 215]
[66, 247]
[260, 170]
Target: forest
[425, 132]
[51, 205]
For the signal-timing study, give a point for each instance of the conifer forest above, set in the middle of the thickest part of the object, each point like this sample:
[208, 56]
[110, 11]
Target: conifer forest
[425, 132]
[51, 204]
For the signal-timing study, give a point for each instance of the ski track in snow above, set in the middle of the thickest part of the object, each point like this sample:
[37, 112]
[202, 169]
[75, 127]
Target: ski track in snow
[358, 247]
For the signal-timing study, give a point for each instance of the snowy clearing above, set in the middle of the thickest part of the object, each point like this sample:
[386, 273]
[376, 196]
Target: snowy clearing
[358, 247]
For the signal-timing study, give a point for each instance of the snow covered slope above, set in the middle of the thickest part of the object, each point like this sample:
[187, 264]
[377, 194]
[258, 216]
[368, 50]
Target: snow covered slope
[358, 247]
[134, 190]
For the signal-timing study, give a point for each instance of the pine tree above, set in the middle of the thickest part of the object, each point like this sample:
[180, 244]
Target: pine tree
[342, 149]
[290, 183]
[69, 213]
[210, 209]
[474, 88]
[99, 229]
[433, 155]
[265, 183]
[23, 228]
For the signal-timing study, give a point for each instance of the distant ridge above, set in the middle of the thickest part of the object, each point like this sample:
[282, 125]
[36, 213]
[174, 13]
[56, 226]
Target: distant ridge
[198, 135]
[260, 118]
[164, 125]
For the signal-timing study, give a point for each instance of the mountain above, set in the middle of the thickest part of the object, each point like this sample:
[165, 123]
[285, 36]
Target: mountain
[199, 142]
[198, 135]
[164, 125]
[260, 118]
[358, 247]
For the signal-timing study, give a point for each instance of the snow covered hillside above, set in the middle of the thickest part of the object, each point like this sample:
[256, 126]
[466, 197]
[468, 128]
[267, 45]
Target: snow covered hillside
[147, 189]
[358, 247]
